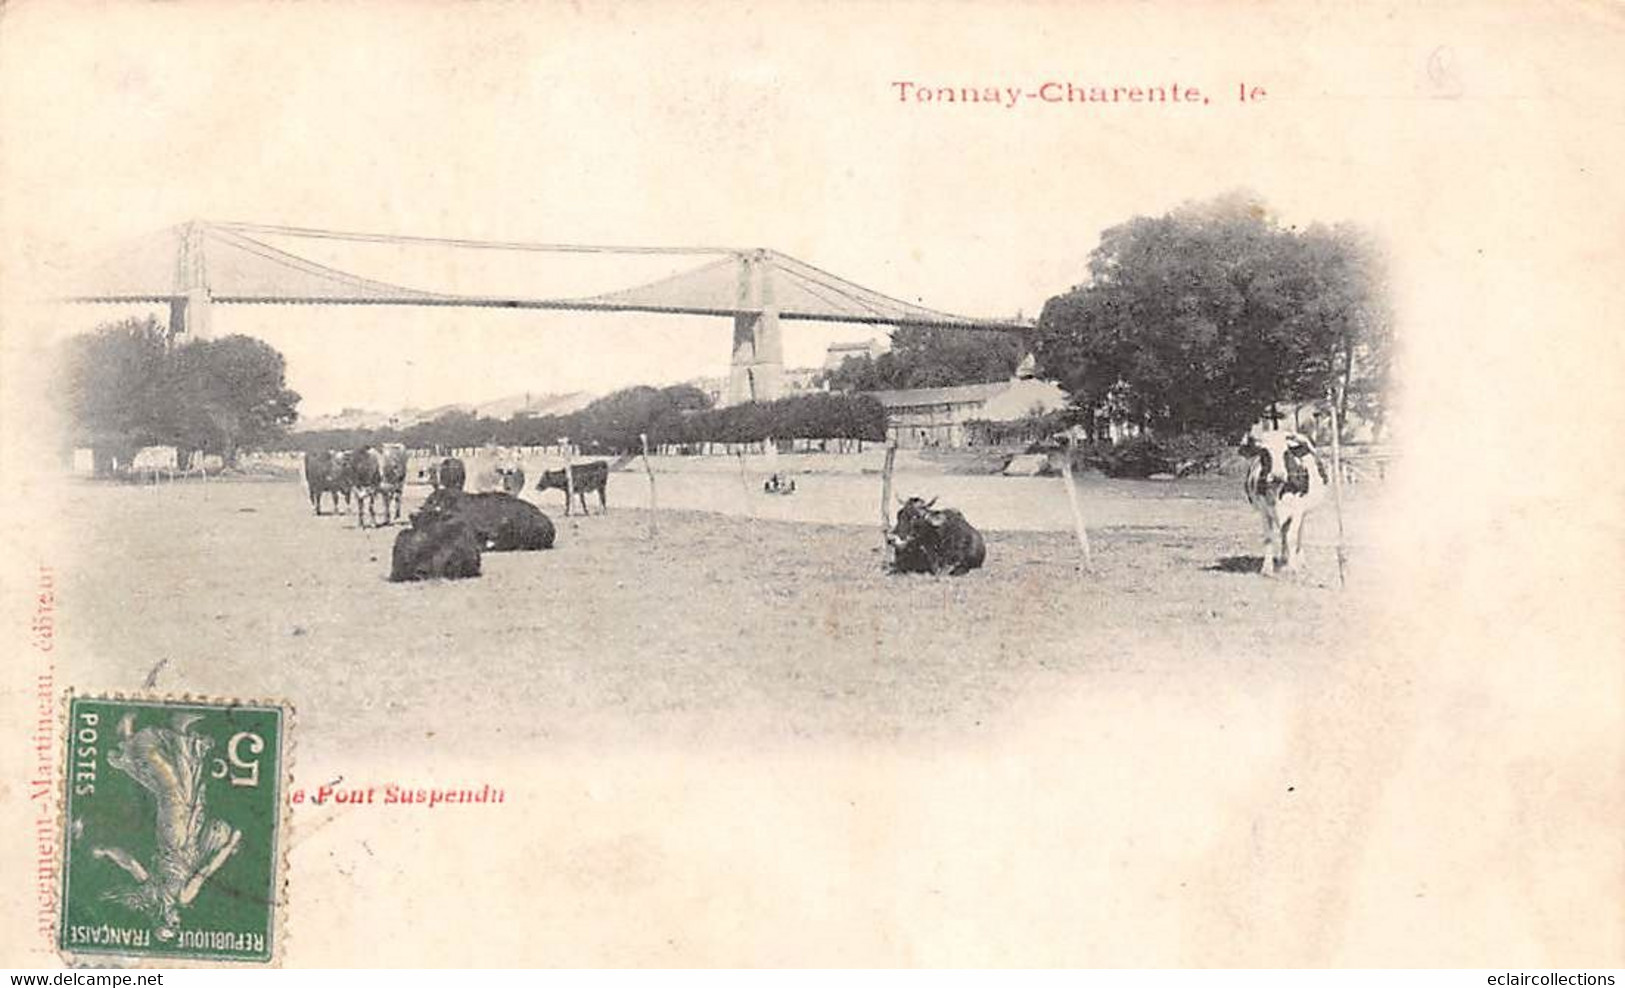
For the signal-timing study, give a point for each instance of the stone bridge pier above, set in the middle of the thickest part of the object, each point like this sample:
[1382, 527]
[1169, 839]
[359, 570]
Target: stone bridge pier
[757, 372]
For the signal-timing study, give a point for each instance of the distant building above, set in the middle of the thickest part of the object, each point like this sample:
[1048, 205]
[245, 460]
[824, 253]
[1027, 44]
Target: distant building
[840, 353]
[799, 380]
[793, 381]
[938, 417]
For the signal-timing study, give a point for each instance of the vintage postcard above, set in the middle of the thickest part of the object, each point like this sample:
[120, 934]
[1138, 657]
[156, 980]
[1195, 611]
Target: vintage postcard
[992, 484]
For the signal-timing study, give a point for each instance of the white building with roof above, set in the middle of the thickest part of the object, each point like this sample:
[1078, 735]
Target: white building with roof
[937, 417]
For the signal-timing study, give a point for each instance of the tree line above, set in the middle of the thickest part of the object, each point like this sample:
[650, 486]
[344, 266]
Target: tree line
[930, 357]
[679, 416]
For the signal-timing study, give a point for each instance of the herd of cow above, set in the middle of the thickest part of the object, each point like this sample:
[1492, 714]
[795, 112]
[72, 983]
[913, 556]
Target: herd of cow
[454, 526]
[1285, 481]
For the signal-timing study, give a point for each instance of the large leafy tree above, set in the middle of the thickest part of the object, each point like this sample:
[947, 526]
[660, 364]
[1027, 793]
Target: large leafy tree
[931, 357]
[617, 420]
[113, 381]
[1201, 319]
[229, 393]
[125, 383]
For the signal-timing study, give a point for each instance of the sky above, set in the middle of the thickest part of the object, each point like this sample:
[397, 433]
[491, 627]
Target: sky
[772, 124]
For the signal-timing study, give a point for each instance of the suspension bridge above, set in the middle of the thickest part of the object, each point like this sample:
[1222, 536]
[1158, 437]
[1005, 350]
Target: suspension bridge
[194, 266]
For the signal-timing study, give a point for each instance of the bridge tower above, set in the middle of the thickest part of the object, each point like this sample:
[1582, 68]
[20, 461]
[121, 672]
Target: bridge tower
[757, 373]
[189, 314]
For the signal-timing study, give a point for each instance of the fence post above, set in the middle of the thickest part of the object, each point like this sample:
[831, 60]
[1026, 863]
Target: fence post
[654, 504]
[569, 475]
[744, 485]
[1337, 489]
[886, 550]
[1077, 510]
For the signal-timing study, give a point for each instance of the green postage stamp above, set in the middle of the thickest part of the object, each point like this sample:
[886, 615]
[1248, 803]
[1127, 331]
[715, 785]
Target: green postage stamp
[172, 817]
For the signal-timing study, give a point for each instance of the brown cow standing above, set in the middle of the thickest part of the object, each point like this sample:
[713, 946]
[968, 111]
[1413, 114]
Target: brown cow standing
[377, 474]
[325, 473]
[585, 477]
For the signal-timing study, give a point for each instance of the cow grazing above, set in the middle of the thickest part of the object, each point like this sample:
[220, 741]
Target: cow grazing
[584, 477]
[441, 548]
[327, 473]
[393, 479]
[364, 468]
[934, 540]
[377, 474]
[497, 470]
[511, 479]
[1286, 481]
[447, 474]
[500, 522]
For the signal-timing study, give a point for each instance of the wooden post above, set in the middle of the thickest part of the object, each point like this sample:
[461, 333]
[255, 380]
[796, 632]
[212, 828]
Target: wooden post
[1077, 510]
[569, 475]
[654, 505]
[1337, 489]
[886, 550]
[744, 485]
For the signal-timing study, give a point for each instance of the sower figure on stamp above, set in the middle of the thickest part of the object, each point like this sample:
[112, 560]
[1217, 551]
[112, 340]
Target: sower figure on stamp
[169, 764]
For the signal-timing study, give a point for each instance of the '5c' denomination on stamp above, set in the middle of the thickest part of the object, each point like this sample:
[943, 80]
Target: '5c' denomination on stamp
[172, 840]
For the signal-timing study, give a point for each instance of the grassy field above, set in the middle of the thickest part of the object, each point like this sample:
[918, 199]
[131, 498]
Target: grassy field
[742, 743]
[722, 627]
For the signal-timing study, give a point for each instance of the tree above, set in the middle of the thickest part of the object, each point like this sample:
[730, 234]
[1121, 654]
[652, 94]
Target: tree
[931, 357]
[618, 420]
[1342, 322]
[812, 416]
[228, 394]
[1205, 317]
[124, 384]
[113, 383]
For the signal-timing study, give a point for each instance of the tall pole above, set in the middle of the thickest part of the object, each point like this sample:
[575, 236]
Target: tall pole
[569, 477]
[1337, 486]
[654, 505]
[1077, 509]
[885, 504]
[744, 485]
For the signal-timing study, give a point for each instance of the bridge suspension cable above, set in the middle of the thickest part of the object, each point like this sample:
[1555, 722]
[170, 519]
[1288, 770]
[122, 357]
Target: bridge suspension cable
[514, 245]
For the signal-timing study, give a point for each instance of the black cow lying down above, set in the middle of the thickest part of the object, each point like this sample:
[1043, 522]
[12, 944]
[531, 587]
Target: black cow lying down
[500, 522]
[437, 548]
[934, 540]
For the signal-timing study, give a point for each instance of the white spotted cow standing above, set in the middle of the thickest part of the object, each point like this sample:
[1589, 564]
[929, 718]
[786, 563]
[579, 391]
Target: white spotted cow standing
[1286, 482]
